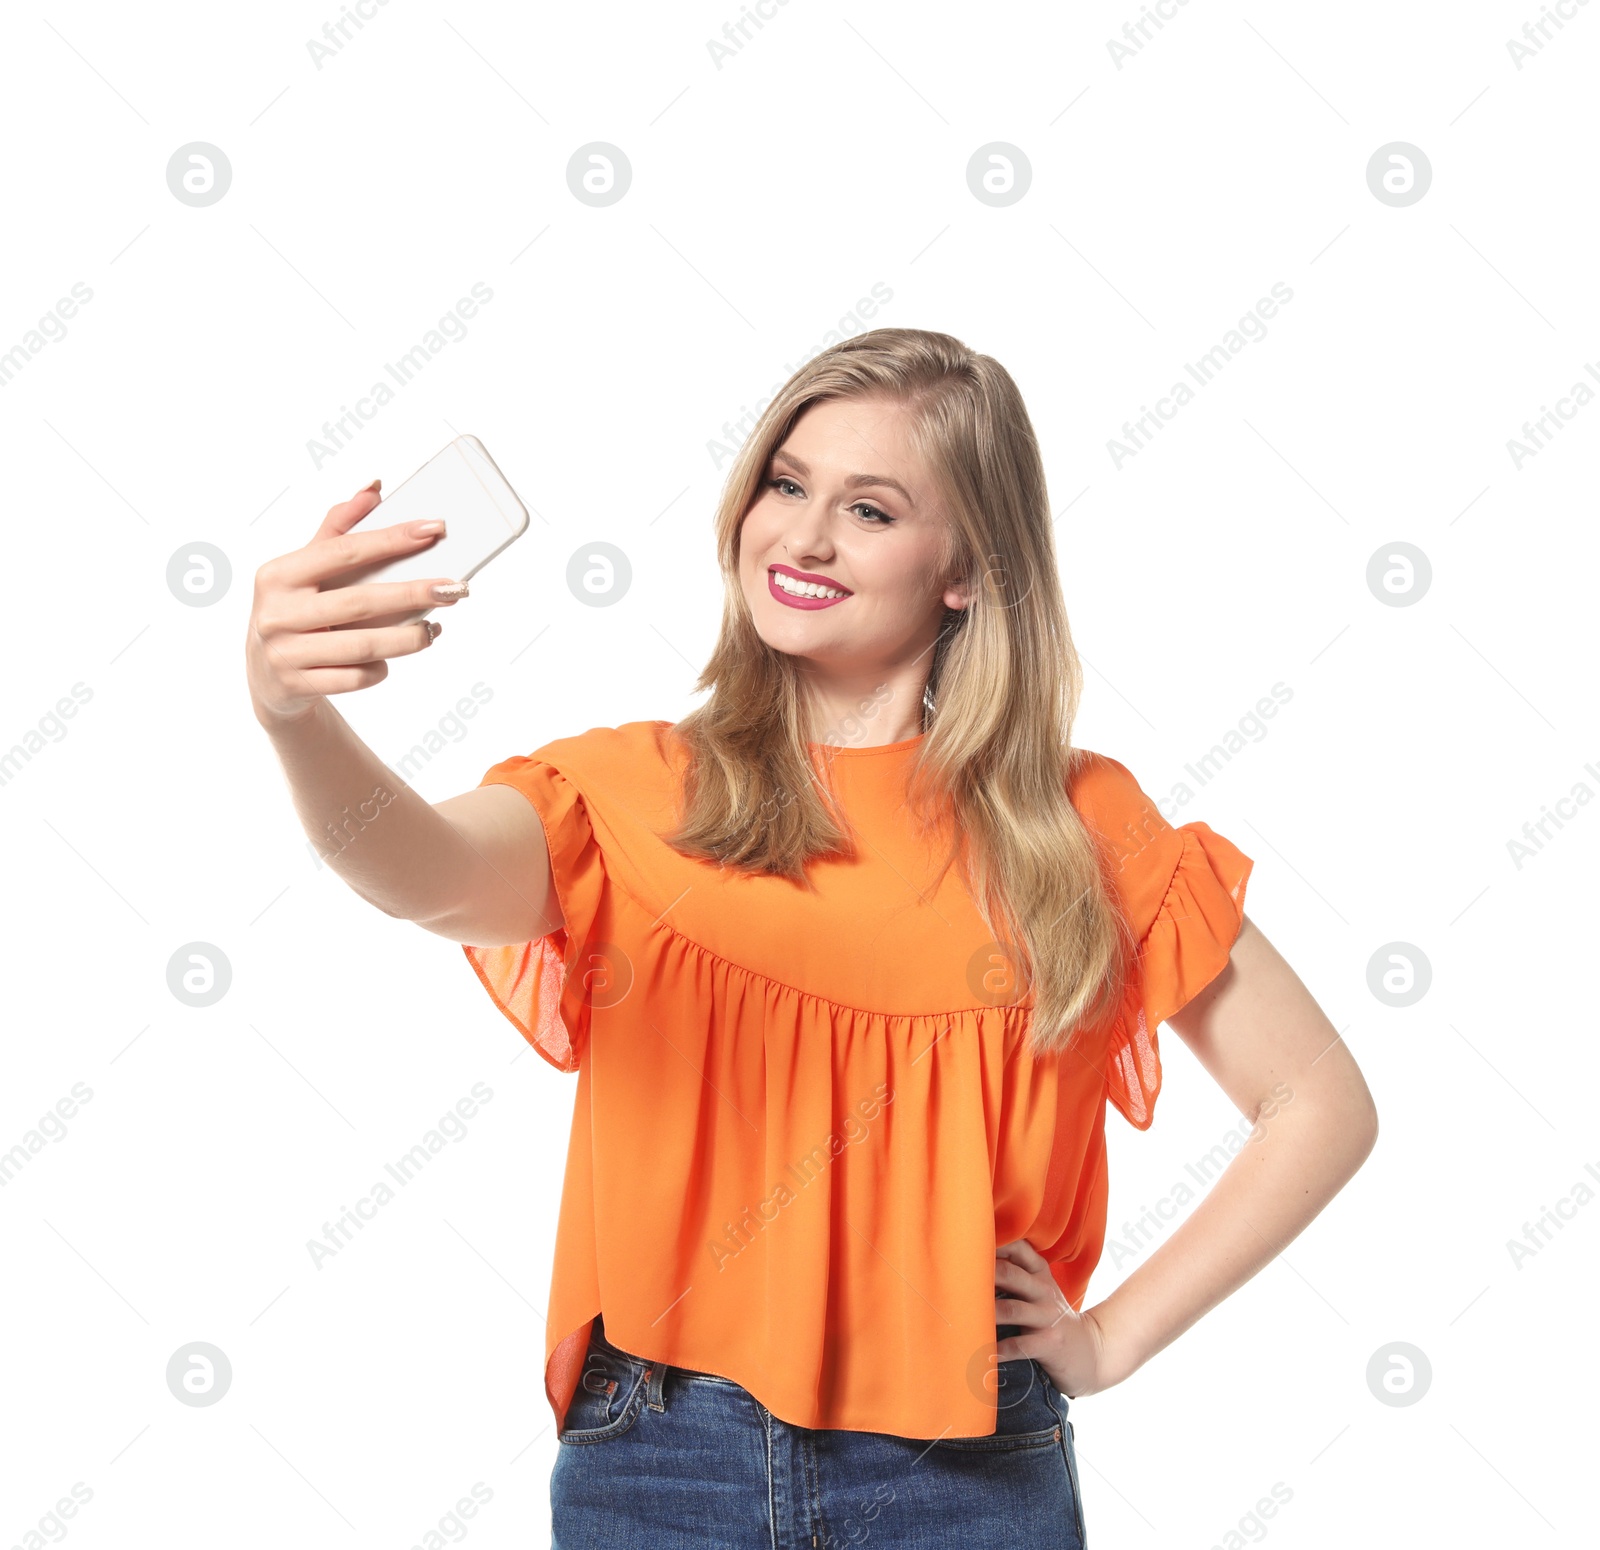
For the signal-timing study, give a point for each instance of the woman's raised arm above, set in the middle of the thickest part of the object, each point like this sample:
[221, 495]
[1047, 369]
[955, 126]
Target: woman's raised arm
[473, 868]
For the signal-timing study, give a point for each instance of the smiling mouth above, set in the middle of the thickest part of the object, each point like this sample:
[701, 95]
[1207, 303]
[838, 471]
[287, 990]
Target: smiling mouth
[798, 590]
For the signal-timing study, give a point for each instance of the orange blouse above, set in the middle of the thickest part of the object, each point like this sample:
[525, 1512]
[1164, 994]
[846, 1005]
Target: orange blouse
[799, 1135]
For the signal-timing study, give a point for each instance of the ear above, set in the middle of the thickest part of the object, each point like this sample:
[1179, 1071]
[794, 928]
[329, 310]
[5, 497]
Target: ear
[957, 596]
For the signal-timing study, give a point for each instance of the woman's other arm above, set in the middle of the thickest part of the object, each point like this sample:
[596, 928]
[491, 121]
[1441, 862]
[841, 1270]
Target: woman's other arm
[1267, 1043]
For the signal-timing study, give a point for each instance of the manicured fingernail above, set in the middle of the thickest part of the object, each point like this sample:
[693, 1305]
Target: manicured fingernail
[377, 484]
[426, 529]
[448, 591]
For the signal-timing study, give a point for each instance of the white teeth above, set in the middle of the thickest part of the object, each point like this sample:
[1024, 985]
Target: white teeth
[804, 588]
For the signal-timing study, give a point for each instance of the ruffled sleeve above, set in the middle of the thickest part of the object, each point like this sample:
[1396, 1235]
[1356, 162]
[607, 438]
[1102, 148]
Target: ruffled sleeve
[1184, 891]
[544, 986]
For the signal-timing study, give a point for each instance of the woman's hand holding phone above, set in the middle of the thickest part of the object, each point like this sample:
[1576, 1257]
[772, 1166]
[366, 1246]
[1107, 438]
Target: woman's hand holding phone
[305, 642]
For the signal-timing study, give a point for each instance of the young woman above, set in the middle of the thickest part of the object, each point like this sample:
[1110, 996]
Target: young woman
[849, 962]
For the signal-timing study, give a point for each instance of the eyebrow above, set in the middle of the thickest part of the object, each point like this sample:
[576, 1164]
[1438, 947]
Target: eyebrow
[855, 481]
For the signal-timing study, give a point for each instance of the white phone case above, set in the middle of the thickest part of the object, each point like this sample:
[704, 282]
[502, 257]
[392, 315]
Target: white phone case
[481, 513]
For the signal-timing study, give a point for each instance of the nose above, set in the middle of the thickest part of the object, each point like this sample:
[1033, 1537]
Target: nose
[806, 540]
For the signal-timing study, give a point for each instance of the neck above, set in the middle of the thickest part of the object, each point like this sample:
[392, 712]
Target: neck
[889, 711]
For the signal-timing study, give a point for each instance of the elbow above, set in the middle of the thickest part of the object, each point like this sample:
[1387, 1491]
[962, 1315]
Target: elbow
[1362, 1129]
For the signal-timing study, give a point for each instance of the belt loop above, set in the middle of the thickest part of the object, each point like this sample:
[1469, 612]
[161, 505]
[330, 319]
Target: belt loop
[656, 1373]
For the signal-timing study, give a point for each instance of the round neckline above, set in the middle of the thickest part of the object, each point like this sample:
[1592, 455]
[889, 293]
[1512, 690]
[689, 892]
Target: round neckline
[842, 751]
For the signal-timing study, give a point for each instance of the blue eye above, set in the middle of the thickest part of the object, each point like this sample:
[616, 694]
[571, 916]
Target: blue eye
[883, 518]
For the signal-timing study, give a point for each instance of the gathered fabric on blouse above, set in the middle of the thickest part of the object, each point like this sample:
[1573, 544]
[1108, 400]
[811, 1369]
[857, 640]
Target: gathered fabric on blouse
[800, 1131]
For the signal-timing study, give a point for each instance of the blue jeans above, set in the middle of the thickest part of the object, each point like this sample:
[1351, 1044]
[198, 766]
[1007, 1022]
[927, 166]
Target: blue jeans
[672, 1459]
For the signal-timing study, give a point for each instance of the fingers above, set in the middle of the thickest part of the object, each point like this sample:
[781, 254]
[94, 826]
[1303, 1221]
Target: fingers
[1010, 1278]
[343, 517]
[343, 680]
[374, 603]
[344, 648]
[325, 558]
[1024, 1314]
[300, 644]
[1023, 1253]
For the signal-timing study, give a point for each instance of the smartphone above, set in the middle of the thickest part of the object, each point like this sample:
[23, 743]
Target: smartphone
[480, 510]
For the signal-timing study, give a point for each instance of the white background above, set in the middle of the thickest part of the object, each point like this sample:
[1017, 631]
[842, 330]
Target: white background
[828, 155]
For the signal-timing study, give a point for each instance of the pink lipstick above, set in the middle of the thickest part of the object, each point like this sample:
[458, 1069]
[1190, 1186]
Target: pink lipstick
[794, 601]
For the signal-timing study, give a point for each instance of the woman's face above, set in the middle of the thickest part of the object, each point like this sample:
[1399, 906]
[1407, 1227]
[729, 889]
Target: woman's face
[846, 502]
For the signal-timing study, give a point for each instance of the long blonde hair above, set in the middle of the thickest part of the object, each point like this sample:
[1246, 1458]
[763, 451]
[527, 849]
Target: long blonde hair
[1001, 694]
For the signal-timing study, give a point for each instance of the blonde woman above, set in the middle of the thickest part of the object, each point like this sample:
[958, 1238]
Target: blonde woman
[850, 963]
